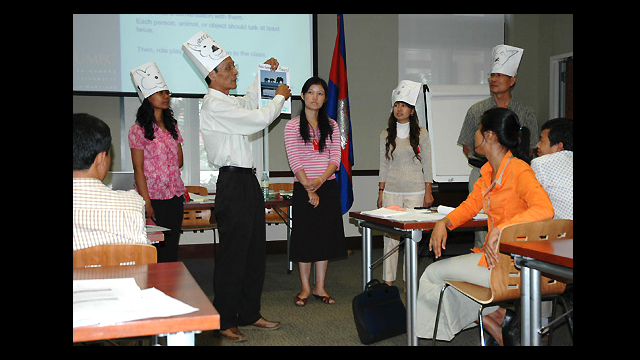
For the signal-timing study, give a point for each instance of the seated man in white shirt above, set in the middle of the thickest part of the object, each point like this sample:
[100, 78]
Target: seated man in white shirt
[554, 166]
[101, 215]
[554, 170]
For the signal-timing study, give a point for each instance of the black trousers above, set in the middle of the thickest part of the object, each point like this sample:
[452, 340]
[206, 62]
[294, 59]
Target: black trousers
[169, 214]
[240, 265]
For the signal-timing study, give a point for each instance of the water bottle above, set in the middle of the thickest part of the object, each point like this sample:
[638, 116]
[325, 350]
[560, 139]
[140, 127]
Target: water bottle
[265, 185]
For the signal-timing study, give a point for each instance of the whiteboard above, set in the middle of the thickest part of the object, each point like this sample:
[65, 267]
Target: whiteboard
[447, 107]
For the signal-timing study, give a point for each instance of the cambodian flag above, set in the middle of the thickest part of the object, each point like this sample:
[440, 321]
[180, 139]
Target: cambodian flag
[338, 109]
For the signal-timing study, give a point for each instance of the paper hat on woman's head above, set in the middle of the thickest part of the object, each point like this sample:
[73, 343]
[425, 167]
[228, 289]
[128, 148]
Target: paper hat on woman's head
[506, 59]
[204, 52]
[407, 91]
[148, 80]
[412, 93]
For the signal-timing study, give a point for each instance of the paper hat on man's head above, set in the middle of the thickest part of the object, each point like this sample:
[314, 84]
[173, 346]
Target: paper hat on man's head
[148, 80]
[204, 52]
[412, 93]
[506, 59]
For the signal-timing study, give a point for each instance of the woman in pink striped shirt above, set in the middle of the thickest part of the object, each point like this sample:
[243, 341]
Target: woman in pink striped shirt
[312, 141]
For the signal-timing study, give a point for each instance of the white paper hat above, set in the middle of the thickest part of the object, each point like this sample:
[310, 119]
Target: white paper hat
[407, 91]
[412, 93]
[204, 52]
[506, 59]
[148, 80]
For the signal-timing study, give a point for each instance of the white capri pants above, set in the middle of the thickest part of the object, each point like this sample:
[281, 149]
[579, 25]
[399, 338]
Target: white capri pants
[458, 312]
[404, 200]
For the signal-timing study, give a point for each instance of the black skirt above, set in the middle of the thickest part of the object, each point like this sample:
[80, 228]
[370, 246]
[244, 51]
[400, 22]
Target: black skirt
[317, 233]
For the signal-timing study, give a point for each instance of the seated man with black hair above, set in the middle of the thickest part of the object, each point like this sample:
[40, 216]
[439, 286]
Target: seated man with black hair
[554, 165]
[100, 215]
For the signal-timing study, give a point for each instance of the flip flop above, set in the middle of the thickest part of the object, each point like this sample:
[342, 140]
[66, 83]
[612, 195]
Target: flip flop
[299, 299]
[325, 299]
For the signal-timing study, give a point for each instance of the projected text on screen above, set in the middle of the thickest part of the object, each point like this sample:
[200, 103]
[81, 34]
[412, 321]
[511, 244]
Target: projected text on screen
[107, 47]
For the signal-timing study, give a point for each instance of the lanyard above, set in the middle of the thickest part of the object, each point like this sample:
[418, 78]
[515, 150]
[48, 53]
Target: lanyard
[487, 191]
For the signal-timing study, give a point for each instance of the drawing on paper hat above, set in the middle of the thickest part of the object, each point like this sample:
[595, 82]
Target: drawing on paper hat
[412, 93]
[506, 59]
[148, 80]
[204, 52]
[407, 91]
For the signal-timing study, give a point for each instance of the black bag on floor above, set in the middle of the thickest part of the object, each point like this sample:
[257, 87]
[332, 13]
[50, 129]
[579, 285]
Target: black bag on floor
[379, 313]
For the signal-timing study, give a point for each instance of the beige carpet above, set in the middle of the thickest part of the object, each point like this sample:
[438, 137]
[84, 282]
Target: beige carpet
[318, 324]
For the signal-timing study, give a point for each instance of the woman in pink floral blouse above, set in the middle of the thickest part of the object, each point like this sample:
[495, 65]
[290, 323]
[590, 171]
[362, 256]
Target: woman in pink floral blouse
[156, 152]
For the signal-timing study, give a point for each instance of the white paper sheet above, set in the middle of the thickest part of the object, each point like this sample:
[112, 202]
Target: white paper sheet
[110, 301]
[447, 209]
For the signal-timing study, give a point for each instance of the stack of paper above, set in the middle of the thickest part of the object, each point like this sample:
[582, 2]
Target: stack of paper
[383, 212]
[416, 215]
[405, 215]
[110, 301]
[201, 199]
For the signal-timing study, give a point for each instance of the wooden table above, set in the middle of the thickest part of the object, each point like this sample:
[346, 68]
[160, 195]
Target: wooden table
[553, 257]
[558, 252]
[174, 280]
[410, 230]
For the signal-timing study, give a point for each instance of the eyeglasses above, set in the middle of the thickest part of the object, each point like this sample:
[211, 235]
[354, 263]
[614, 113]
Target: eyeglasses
[230, 67]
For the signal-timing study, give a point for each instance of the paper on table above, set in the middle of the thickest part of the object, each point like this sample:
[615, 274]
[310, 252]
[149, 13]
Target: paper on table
[405, 215]
[201, 199]
[447, 209]
[382, 212]
[417, 216]
[110, 301]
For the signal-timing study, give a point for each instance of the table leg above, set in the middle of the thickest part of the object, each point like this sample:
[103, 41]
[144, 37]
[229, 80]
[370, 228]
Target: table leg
[535, 306]
[366, 257]
[525, 301]
[411, 261]
[181, 339]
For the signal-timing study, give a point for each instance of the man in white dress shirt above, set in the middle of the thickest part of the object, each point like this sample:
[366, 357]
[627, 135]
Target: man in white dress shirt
[225, 123]
[554, 166]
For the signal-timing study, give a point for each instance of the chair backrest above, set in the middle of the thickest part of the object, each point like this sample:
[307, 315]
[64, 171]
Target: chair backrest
[281, 186]
[270, 216]
[505, 277]
[200, 190]
[115, 255]
[196, 217]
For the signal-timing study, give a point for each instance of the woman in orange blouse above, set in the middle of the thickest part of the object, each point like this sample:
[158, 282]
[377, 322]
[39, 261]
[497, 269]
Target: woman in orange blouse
[509, 193]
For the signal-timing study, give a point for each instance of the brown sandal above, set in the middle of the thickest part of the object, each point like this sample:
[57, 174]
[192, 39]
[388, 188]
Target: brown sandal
[299, 299]
[325, 299]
